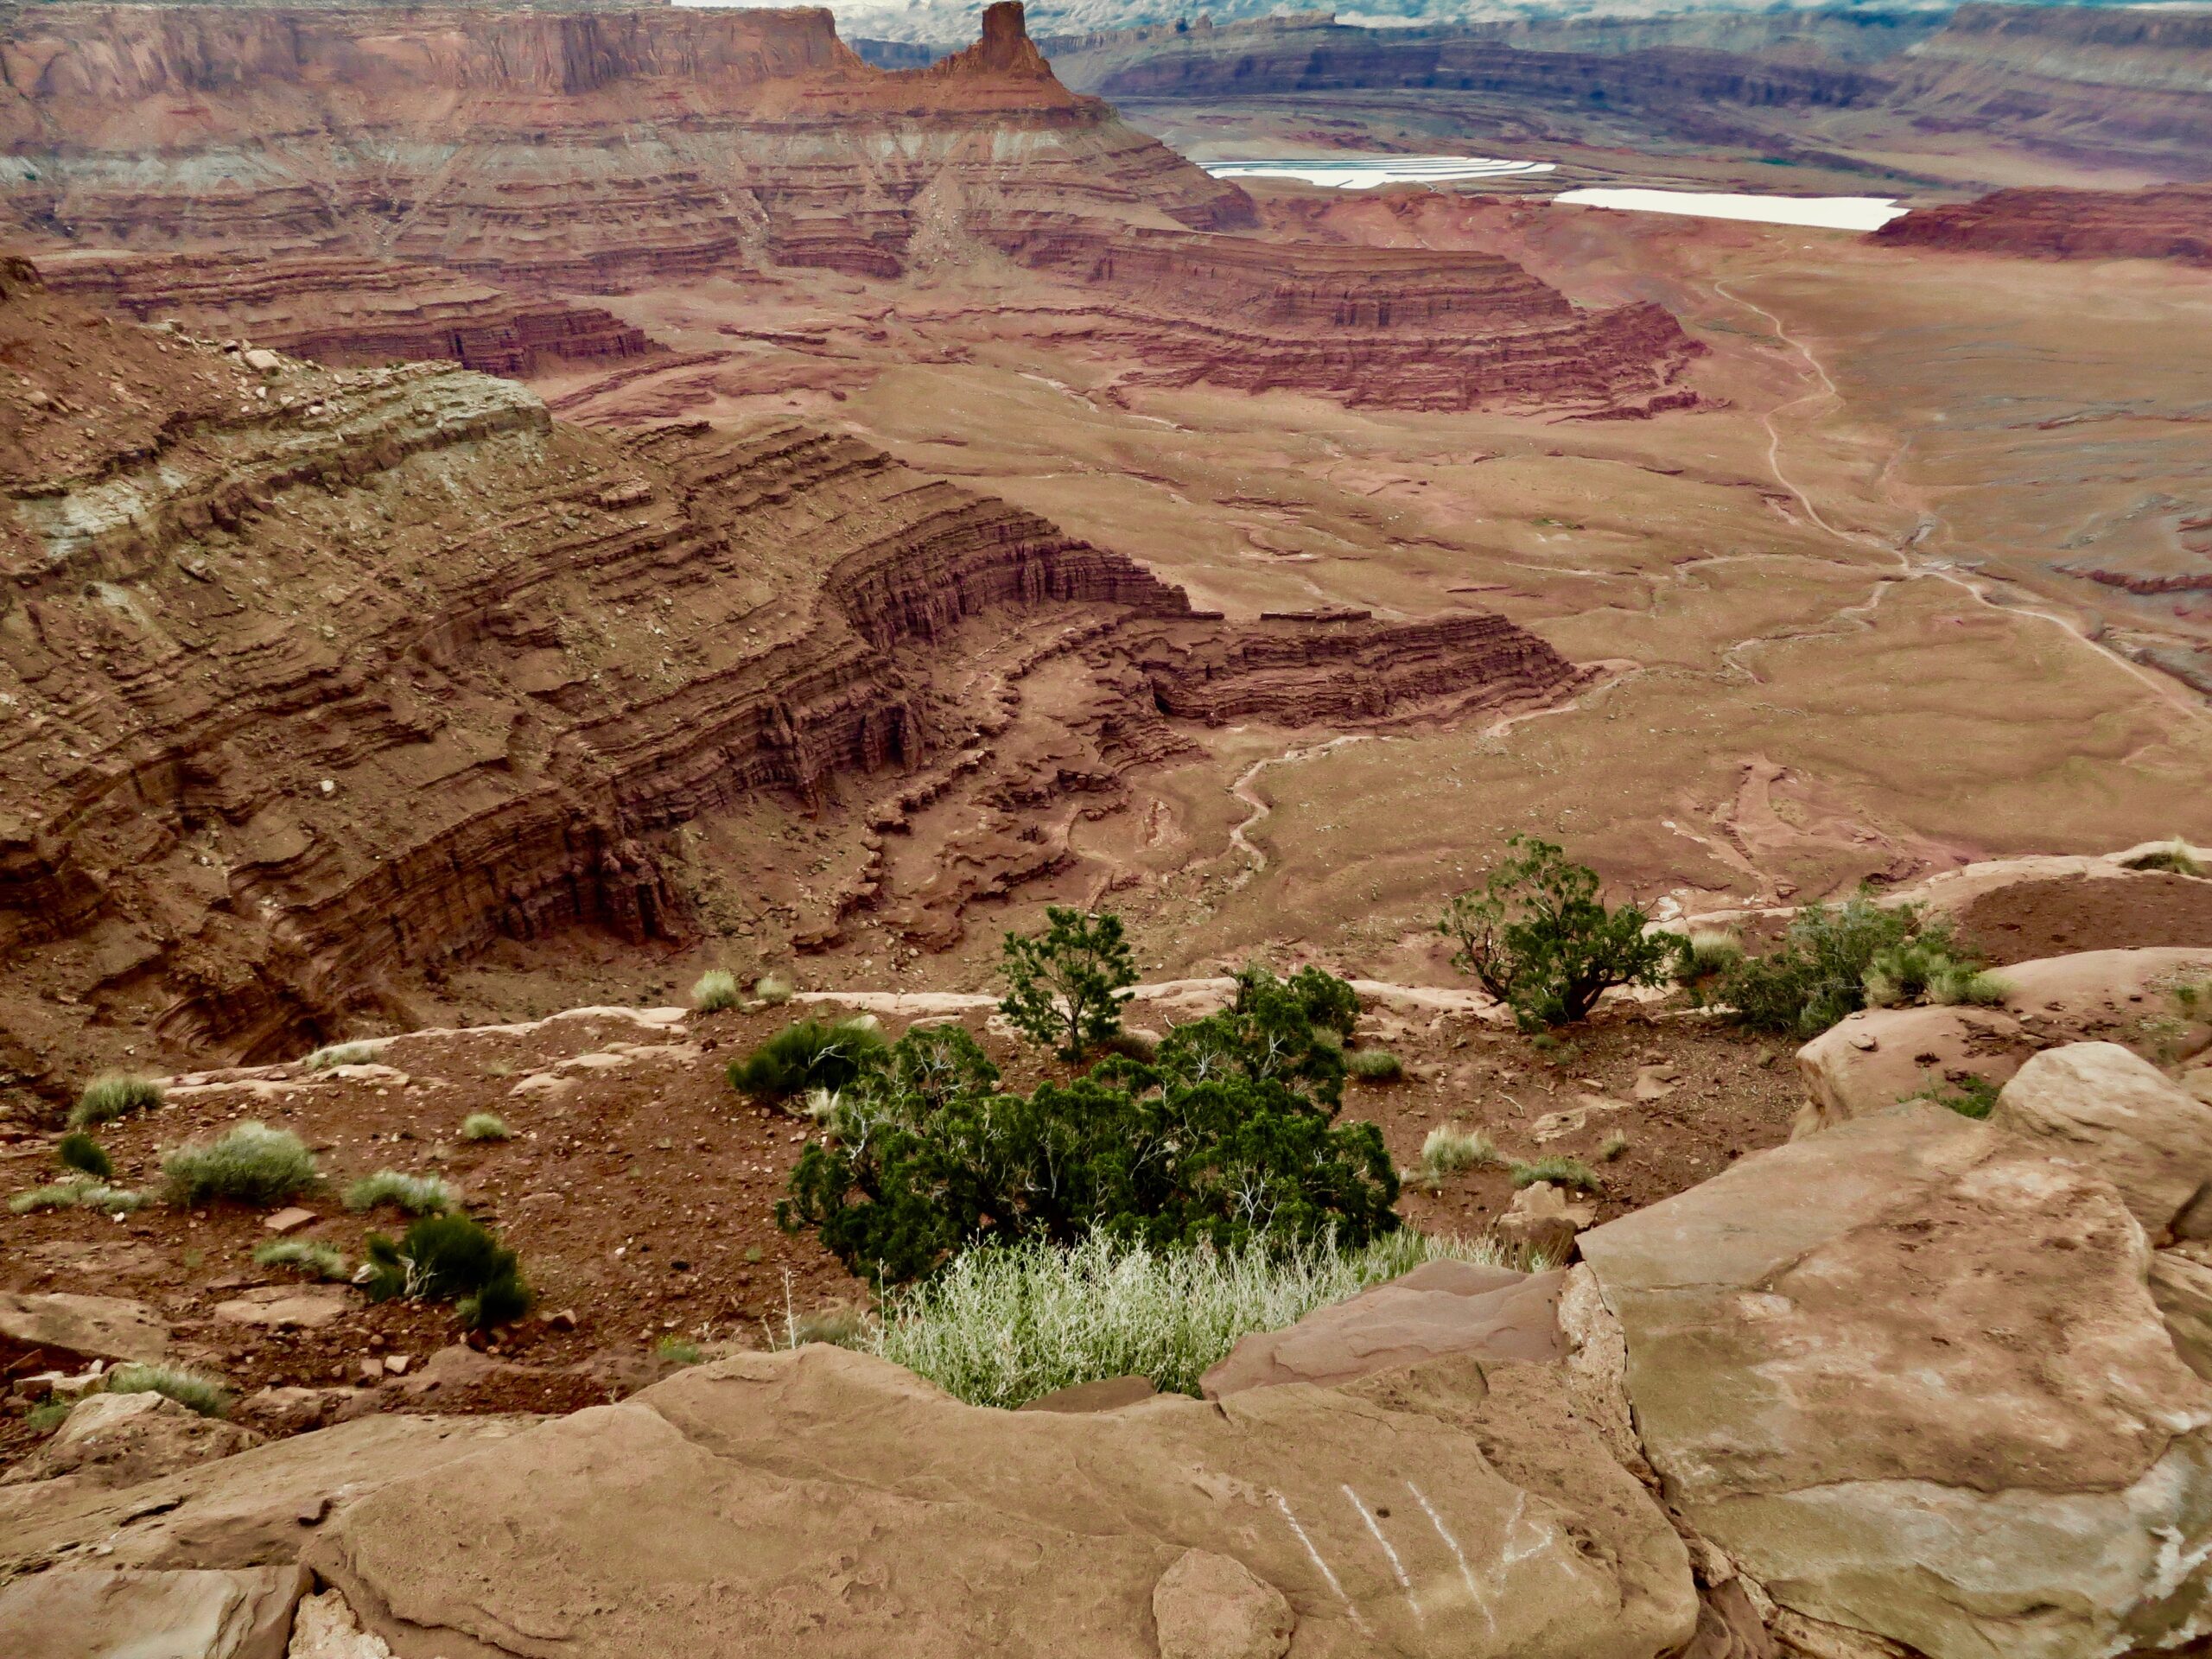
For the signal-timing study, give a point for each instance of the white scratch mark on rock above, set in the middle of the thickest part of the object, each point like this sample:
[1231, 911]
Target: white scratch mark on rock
[1397, 1566]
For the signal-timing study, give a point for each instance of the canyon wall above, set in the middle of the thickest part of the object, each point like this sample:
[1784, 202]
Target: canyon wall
[318, 681]
[2172, 223]
[591, 151]
[349, 312]
[1402, 327]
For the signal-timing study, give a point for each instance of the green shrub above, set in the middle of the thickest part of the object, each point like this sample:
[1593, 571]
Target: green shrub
[418, 1195]
[79, 1150]
[485, 1126]
[106, 1098]
[809, 1054]
[1227, 1135]
[1373, 1065]
[1970, 1096]
[187, 1389]
[359, 1053]
[253, 1164]
[450, 1259]
[1541, 940]
[1560, 1170]
[1832, 962]
[1612, 1147]
[1449, 1149]
[1004, 1323]
[2176, 859]
[316, 1260]
[774, 989]
[1065, 985]
[715, 991]
[49, 1415]
[676, 1351]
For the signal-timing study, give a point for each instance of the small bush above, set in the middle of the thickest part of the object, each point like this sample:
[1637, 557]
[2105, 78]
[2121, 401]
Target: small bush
[1832, 961]
[1970, 1096]
[187, 1389]
[1004, 1323]
[77, 1195]
[774, 989]
[809, 1054]
[418, 1195]
[485, 1126]
[715, 991]
[1447, 1150]
[1560, 1171]
[79, 1150]
[253, 1164]
[676, 1351]
[1707, 952]
[2176, 859]
[1140, 1047]
[1373, 1065]
[49, 1415]
[360, 1053]
[1612, 1147]
[1066, 985]
[106, 1098]
[316, 1260]
[1540, 939]
[448, 1259]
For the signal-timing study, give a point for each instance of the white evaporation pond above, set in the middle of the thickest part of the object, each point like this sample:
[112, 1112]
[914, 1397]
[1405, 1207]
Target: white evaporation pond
[1821, 213]
[1366, 172]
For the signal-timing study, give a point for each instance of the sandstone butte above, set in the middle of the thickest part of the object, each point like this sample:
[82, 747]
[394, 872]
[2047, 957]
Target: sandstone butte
[489, 156]
[319, 678]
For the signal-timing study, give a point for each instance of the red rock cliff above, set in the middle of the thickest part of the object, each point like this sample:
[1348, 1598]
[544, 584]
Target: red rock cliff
[2174, 222]
[593, 149]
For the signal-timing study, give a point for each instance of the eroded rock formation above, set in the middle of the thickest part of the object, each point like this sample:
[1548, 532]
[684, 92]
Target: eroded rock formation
[319, 678]
[1406, 328]
[349, 312]
[596, 151]
[2170, 223]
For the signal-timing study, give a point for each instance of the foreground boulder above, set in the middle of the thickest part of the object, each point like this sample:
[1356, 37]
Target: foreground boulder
[243, 1614]
[63, 1330]
[2104, 1108]
[1907, 1373]
[829, 1502]
[1873, 1059]
[119, 1439]
[1443, 1308]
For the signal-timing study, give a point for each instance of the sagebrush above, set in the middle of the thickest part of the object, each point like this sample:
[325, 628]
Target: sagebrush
[116, 1095]
[253, 1164]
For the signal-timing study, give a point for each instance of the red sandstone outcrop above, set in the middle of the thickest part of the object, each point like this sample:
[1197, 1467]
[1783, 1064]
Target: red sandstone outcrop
[2170, 223]
[349, 312]
[1403, 327]
[591, 150]
[316, 680]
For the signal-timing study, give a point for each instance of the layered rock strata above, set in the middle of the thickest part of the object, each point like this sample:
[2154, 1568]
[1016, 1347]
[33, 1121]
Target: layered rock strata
[2173, 223]
[349, 312]
[1404, 327]
[593, 150]
[317, 679]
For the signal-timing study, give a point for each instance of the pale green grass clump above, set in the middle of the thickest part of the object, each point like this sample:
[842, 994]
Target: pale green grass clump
[187, 1389]
[418, 1195]
[77, 1195]
[1003, 1324]
[774, 989]
[1374, 1065]
[360, 1053]
[717, 990]
[1560, 1171]
[316, 1260]
[253, 1164]
[1450, 1149]
[1711, 950]
[106, 1098]
[485, 1126]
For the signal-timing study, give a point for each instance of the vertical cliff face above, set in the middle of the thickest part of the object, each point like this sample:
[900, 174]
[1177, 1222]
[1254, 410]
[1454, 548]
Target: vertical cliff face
[595, 150]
